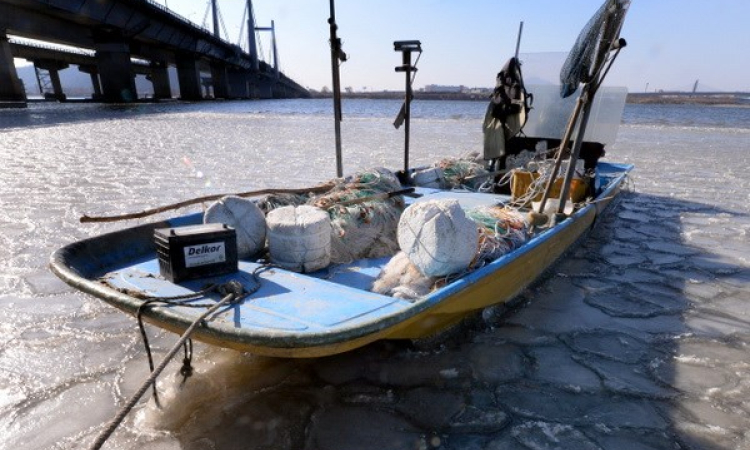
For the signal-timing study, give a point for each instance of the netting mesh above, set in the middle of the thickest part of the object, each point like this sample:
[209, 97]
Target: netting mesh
[362, 228]
[466, 172]
[501, 231]
[269, 202]
[590, 48]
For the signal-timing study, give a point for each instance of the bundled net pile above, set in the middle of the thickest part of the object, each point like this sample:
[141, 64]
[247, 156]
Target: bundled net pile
[362, 227]
[466, 172]
[462, 172]
[400, 278]
[501, 230]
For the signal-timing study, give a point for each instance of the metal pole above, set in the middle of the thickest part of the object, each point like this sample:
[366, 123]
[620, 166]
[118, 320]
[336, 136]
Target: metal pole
[518, 41]
[407, 108]
[336, 55]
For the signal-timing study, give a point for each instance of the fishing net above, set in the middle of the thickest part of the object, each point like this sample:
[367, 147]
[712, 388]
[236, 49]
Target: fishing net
[467, 172]
[527, 186]
[363, 226]
[592, 45]
[501, 230]
[400, 278]
[269, 202]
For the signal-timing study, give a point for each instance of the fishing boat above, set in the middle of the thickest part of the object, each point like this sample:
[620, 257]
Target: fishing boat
[281, 312]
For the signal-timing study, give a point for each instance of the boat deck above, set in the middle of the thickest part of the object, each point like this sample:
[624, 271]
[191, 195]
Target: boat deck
[333, 297]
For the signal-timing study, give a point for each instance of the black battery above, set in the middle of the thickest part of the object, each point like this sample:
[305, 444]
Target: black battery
[196, 251]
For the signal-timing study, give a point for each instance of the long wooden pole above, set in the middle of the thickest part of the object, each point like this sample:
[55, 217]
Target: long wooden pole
[208, 198]
[336, 56]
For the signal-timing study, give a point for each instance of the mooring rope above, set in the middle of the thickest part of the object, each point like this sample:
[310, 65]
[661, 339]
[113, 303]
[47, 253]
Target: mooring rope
[233, 292]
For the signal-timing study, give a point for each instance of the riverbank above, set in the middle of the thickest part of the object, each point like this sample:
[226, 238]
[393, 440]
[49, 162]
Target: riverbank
[663, 98]
[702, 98]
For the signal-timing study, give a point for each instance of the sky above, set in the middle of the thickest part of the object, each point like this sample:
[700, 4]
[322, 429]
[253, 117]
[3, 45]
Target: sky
[671, 43]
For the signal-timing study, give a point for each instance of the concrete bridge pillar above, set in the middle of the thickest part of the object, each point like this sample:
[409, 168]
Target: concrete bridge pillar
[115, 70]
[93, 72]
[189, 77]
[238, 84]
[160, 79]
[54, 68]
[220, 80]
[280, 91]
[263, 88]
[11, 88]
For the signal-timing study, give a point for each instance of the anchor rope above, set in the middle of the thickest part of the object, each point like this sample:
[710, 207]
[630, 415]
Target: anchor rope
[233, 293]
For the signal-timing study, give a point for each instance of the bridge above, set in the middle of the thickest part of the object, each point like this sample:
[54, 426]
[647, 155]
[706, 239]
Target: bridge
[113, 40]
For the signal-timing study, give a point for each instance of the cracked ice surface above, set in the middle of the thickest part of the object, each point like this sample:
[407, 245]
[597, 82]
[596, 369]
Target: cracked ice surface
[639, 339]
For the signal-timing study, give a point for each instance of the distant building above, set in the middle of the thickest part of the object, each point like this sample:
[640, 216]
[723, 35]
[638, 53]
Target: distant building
[442, 88]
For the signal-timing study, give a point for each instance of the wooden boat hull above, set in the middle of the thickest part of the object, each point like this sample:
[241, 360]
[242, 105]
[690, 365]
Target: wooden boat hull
[295, 315]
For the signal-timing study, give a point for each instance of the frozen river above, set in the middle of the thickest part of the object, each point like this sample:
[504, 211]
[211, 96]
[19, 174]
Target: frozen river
[640, 339]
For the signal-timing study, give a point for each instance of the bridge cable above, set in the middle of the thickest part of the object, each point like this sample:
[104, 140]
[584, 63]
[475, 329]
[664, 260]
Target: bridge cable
[241, 39]
[221, 21]
[204, 24]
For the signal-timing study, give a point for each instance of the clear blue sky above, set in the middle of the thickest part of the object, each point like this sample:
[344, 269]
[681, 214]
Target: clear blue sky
[671, 42]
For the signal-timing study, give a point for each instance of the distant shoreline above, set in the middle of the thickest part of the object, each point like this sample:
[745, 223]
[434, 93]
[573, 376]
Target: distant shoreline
[680, 98]
[660, 98]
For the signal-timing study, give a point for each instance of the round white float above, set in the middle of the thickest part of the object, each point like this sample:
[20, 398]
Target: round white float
[245, 217]
[299, 238]
[437, 237]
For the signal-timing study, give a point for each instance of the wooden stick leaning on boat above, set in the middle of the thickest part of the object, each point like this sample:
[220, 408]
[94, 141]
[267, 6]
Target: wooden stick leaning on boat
[209, 198]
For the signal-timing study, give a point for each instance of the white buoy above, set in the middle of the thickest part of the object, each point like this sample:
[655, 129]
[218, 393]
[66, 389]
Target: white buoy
[245, 217]
[437, 237]
[299, 238]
